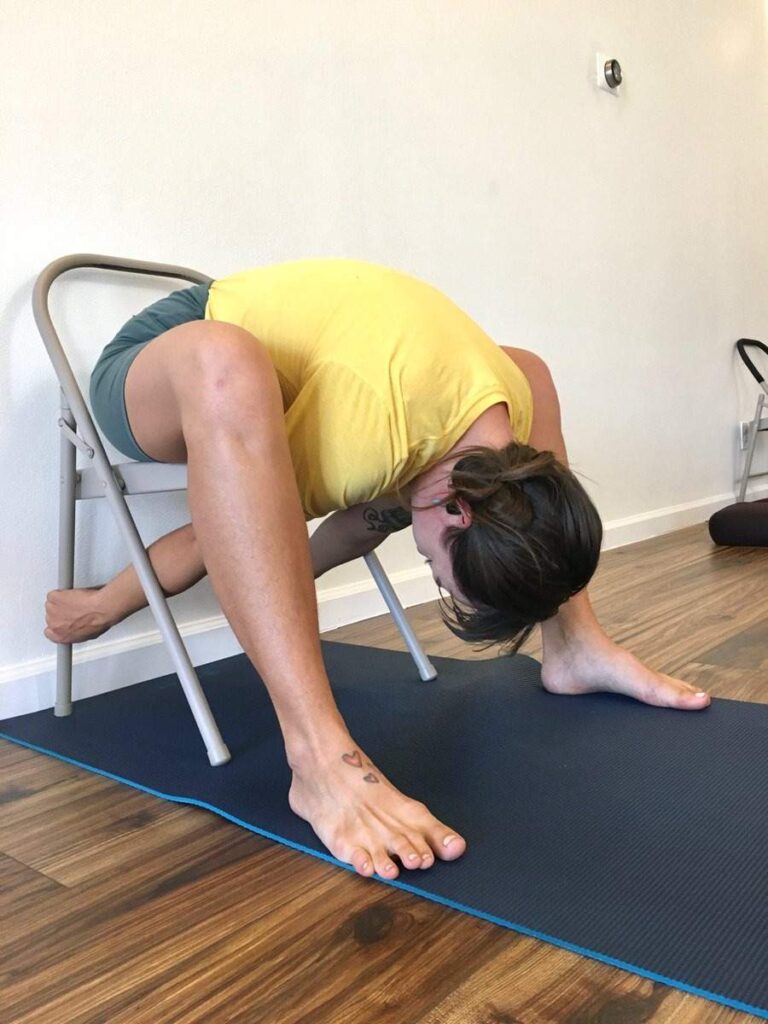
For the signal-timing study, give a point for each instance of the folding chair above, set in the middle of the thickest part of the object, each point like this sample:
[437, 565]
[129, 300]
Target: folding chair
[114, 482]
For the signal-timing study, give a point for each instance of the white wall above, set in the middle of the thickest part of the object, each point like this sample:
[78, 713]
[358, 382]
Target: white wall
[624, 239]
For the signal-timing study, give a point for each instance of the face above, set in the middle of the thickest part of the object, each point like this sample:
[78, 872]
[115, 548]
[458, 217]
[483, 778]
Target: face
[429, 525]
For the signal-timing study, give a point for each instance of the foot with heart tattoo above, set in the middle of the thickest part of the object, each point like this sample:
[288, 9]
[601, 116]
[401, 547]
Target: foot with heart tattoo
[362, 818]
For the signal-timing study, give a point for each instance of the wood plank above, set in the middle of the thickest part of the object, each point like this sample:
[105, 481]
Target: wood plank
[74, 816]
[21, 888]
[100, 940]
[186, 849]
[528, 985]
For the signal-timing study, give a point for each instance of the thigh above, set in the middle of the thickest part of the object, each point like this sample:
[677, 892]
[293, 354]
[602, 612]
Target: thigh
[151, 400]
[175, 376]
[114, 365]
[134, 398]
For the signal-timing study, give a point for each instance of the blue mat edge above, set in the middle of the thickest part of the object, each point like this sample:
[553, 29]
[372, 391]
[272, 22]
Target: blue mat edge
[395, 884]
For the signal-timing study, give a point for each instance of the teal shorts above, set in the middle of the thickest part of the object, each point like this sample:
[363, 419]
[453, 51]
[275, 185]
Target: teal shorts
[107, 383]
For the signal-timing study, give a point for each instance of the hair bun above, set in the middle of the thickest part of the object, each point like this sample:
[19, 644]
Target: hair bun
[492, 481]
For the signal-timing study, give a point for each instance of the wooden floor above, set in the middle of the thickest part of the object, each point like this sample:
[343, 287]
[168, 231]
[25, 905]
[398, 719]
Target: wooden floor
[120, 908]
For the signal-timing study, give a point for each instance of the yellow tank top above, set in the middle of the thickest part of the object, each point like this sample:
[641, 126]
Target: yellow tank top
[381, 374]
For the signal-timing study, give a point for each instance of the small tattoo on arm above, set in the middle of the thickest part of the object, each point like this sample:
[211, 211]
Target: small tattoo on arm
[386, 520]
[370, 777]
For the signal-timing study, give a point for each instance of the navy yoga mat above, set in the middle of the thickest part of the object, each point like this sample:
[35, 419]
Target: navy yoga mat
[632, 834]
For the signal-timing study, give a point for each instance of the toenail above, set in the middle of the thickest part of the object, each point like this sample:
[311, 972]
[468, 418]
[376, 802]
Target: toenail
[426, 856]
[365, 865]
[413, 856]
[701, 693]
[448, 839]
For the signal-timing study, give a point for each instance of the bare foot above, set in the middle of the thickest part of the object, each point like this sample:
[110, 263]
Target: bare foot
[604, 666]
[364, 820]
[74, 615]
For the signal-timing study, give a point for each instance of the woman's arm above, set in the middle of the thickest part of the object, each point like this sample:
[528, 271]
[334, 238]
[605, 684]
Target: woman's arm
[178, 563]
[353, 532]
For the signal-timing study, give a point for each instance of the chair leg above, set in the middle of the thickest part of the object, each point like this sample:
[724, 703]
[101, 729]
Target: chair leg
[218, 752]
[66, 571]
[426, 669]
[753, 429]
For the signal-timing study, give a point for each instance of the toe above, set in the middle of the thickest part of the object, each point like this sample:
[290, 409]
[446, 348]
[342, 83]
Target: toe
[360, 859]
[404, 848]
[446, 844]
[384, 866]
[426, 857]
[699, 700]
[688, 696]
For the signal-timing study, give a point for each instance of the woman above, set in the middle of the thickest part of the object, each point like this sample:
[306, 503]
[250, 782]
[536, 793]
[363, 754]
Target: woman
[338, 386]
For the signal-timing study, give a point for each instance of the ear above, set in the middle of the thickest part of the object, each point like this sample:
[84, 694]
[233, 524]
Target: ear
[464, 512]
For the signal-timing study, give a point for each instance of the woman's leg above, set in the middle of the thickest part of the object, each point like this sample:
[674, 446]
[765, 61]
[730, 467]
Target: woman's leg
[73, 616]
[207, 393]
[578, 656]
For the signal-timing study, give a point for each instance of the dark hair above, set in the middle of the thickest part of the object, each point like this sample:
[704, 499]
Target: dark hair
[534, 541]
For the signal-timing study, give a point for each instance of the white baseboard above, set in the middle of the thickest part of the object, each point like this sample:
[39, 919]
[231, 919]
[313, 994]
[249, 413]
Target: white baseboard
[103, 665]
[619, 532]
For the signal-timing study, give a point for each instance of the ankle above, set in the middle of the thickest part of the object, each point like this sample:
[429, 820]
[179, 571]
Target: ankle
[308, 751]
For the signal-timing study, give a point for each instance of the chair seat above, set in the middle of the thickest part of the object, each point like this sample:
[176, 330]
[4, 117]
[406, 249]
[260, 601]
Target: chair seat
[134, 478]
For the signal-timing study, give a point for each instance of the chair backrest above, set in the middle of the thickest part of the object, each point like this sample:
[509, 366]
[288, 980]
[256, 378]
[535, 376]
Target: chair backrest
[135, 478]
[48, 332]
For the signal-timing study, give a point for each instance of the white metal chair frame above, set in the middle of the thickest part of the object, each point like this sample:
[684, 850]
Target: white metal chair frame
[114, 482]
[749, 436]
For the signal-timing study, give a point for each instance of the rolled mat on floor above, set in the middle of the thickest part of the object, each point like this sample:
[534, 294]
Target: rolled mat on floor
[631, 834]
[744, 524]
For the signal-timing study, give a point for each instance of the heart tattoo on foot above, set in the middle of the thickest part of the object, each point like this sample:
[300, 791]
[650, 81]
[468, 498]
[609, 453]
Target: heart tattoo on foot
[354, 759]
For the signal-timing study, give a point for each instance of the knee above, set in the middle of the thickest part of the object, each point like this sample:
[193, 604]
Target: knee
[223, 350]
[228, 361]
[229, 373]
